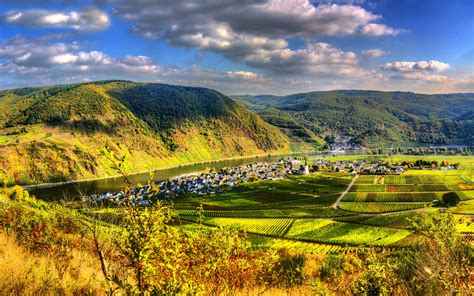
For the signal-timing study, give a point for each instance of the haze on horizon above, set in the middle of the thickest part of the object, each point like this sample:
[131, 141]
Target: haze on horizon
[242, 47]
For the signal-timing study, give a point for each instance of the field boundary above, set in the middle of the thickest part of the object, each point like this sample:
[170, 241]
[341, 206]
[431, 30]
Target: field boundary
[335, 205]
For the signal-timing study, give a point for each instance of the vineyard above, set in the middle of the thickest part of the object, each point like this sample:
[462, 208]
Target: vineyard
[274, 227]
[377, 208]
[313, 230]
[299, 212]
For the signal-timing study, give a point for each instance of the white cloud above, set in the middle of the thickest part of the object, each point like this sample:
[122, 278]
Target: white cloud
[425, 66]
[378, 30]
[422, 70]
[257, 32]
[318, 66]
[263, 17]
[39, 60]
[375, 53]
[63, 58]
[89, 19]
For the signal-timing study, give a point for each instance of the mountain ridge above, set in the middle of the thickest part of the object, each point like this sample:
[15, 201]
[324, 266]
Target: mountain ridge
[50, 134]
[373, 117]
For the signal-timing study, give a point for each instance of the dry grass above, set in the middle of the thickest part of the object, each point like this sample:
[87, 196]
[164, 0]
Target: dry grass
[24, 273]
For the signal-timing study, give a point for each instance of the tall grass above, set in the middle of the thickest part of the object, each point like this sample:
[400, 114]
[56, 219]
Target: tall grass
[25, 273]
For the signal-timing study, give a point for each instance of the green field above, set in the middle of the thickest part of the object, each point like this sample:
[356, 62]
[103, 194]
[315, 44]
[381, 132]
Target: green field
[298, 212]
[377, 208]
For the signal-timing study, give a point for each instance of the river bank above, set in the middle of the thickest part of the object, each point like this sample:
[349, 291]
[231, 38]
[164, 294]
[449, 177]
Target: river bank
[43, 185]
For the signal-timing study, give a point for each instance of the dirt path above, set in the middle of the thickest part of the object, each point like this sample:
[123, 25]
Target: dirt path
[338, 201]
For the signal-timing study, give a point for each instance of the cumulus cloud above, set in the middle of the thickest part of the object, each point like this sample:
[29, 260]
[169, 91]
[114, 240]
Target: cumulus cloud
[262, 17]
[45, 61]
[374, 53]
[422, 66]
[378, 30]
[89, 19]
[256, 32]
[422, 70]
[53, 62]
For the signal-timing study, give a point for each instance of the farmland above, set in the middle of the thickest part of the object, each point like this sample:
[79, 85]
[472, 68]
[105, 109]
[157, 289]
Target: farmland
[298, 212]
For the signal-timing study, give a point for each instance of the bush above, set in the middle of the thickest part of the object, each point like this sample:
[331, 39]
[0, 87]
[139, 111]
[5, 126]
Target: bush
[331, 266]
[441, 261]
[451, 199]
[289, 269]
[17, 193]
[379, 278]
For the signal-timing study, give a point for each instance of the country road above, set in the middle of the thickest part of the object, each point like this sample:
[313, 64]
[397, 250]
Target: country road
[338, 201]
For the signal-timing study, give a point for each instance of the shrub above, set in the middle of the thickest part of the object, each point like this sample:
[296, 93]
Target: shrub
[17, 193]
[331, 266]
[451, 198]
[289, 269]
[441, 261]
[378, 278]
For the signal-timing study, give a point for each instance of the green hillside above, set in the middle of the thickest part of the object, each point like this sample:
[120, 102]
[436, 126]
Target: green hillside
[373, 117]
[50, 134]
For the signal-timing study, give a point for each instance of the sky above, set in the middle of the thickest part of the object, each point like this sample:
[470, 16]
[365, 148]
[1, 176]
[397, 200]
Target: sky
[242, 47]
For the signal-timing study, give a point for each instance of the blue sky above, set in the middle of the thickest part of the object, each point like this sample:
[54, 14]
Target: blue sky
[242, 47]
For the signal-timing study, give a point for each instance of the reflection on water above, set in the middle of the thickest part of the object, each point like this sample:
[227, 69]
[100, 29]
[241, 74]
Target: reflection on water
[74, 190]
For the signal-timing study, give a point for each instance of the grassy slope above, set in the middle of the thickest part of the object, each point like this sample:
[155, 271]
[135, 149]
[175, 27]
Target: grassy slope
[373, 117]
[54, 133]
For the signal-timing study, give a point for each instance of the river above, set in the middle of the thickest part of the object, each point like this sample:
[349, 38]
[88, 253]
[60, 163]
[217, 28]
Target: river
[73, 190]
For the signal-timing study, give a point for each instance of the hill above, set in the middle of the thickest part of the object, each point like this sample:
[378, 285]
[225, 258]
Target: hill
[371, 118]
[50, 134]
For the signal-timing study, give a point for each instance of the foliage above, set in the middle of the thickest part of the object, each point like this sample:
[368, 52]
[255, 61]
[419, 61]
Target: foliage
[451, 198]
[372, 117]
[65, 126]
[290, 269]
[379, 278]
[331, 267]
[441, 262]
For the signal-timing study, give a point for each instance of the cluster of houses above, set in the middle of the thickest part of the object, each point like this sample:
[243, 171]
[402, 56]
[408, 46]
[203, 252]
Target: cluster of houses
[351, 166]
[214, 181]
[381, 168]
[361, 166]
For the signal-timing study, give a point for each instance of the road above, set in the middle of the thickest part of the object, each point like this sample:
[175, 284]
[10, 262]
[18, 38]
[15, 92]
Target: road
[338, 201]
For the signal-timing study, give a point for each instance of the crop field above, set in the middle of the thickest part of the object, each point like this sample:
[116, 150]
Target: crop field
[325, 231]
[308, 247]
[392, 197]
[378, 207]
[465, 223]
[410, 187]
[464, 207]
[274, 227]
[269, 213]
[315, 230]
[413, 189]
[301, 212]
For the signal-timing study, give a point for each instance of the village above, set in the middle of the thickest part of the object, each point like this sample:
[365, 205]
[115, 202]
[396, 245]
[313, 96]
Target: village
[213, 182]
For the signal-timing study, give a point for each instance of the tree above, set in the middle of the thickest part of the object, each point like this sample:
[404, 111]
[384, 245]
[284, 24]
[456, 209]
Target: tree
[451, 198]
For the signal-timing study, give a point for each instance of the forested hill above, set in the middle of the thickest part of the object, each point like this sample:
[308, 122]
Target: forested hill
[55, 133]
[372, 118]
